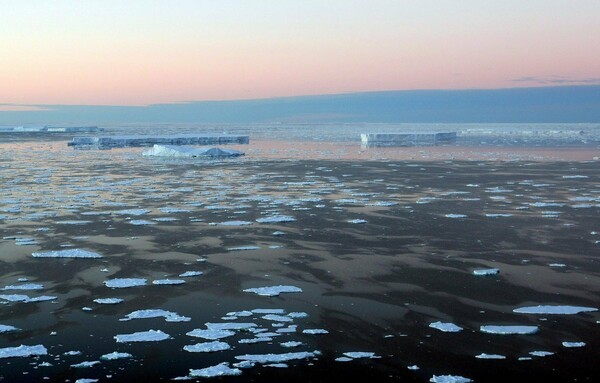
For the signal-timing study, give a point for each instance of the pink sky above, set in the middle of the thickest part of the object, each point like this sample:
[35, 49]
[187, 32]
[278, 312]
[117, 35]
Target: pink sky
[142, 52]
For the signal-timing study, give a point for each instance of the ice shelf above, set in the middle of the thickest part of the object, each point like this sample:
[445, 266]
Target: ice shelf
[407, 139]
[109, 142]
[180, 151]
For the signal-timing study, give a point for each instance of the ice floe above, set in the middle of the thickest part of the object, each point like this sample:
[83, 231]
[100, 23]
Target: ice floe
[23, 351]
[211, 334]
[191, 274]
[207, 347]
[108, 301]
[276, 219]
[573, 344]
[156, 313]
[116, 355]
[121, 283]
[451, 215]
[242, 248]
[315, 331]
[26, 286]
[541, 354]
[271, 291]
[361, 355]
[449, 379]
[482, 272]
[86, 364]
[509, 330]
[26, 299]
[221, 369]
[445, 327]
[68, 253]
[554, 310]
[278, 358]
[490, 356]
[6, 328]
[168, 282]
[142, 336]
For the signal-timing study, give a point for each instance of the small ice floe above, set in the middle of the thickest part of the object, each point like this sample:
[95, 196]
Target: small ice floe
[357, 221]
[86, 364]
[25, 241]
[116, 355]
[272, 291]
[168, 282]
[165, 219]
[234, 223]
[86, 380]
[449, 379]
[210, 334]
[155, 313]
[361, 355]
[445, 327]
[298, 314]
[288, 329]
[315, 331]
[221, 369]
[546, 204]
[343, 359]
[121, 283]
[86, 308]
[207, 347]
[574, 176]
[277, 233]
[490, 356]
[509, 330]
[277, 318]
[68, 253]
[482, 272]
[72, 353]
[108, 301]
[276, 219]
[382, 203]
[255, 340]
[291, 344]
[26, 286]
[554, 310]
[26, 299]
[498, 215]
[414, 367]
[242, 248]
[541, 354]
[573, 344]
[142, 336]
[191, 274]
[557, 265]
[73, 222]
[278, 358]
[6, 328]
[132, 212]
[451, 215]
[277, 365]
[23, 351]
[230, 326]
[141, 222]
[170, 210]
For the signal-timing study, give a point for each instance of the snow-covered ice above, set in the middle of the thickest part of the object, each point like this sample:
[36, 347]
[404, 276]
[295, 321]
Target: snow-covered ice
[116, 355]
[509, 330]
[445, 327]
[142, 336]
[221, 369]
[121, 283]
[449, 379]
[211, 334]
[108, 301]
[22, 351]
[278, 358]
[207, 347]
[482, 272]
[68, 253]
[272, 291]
[276, 219]
[156, 313]
[554, 310]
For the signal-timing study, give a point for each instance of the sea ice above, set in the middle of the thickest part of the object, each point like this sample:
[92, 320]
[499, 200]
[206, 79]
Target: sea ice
[120, 283]
[27, 286]
[142, 336]
[455, 215]
[68, 253]
[210, 334]
[22, 351]
[315, 331]
[541, 353]
[168, 282]
[291, 344]
[191, 274]
[108, 301]
[554, 310]
[242, 248]
[132, 212]
[116, 355]
[276, 219]
[509, 330]
[357, 221]
[6, 328]
[141, 222]
[489, 356]
[360, 354]
[221, 369]
[278, 358]
[207, 347]
[482, 272]
[234, 223]
[26, 299]
[86, 364]
[445, 327]
[277, 318]
[573, 344]
[156, 313]
[271, 291]
[229, 326]
[449, 379]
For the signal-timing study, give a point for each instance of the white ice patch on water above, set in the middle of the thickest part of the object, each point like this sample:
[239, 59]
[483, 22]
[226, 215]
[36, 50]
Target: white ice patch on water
[121, 283]
[142, 336]
[141, 222]
[191, 274]
[26, 299]
[230, 326]
[234, 223]
[573, 344]
[156, 313]
[498, 215]
[116, 355]
[482, 272]
[451, 215]
[69, 253]
[168, 282]
[108, 301]
[278, 358]
[207, 347]
[276, 219]
[86, 364]
[360, 355]
[541, 354]
[132, 212]
[242, 248]
[490, 356]
[554, 310]
[291, 343]
[27, 286]
[272, 291]
[358, 221]
[509, 330]
[86, 380]
[221, 369]
[315, 331]
[6, 328]
[277, 318]
[449, 379]
[445, 327]
[210, 334]
[23, 351]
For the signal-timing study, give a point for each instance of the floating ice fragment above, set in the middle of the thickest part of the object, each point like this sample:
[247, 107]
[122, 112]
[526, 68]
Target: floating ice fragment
[221, 369]
[277, 318]
[573, 344]
[482, 272]
[142, 336]
[26, 298]
[449, 379]
[271, 291]
[108, 301]
[343, 359]
[276, 219]
[498, 215]
[141, 222]
[86, 380]
[156, 313]
[541, 353]
[86, 364]
[22, 351]
[120, 283]
[509, 330]
[234, 223]
[242, 248]
[445, 327]
[360, 355]
[69, 253]
[132, 212]
[278, 233]
[27, 286]
[489, 356]
[357, 221]
[191, 274]
[210, 334]
[554, 310]
[557, 265]
[116, 355]
[451, 215]
[230, 326]
[207, 347]
[278, 358]
[256, 340]
[414, 367]
[6, 328]
[291, 344]
[168, 282]
[315, 331]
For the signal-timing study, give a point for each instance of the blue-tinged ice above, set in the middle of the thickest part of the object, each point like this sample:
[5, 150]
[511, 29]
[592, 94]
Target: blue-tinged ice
[108, 301]
[207, 347]
[116, 355]
[315, 331]
[191, 274]
[490, 356]
[449, 379]
[276, 219]
[142, 336]
[482, 272]
[278, 358]
[26, 286]
[509, 330]
[23, 351]
[86, 364]
[68, 253]
[121, 283]
[554, 310]
[221, 369]
[168, 282]
[573, 344]
[156, 313]
[271, 291]
[6, 328]
[211, 334]
[445, 327]
[26, 299]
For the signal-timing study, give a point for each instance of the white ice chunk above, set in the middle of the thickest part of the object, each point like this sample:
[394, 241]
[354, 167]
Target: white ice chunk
[242, 248]
[108, 301]
[6, 328]
[277, 318]
[481, 272]
[210, 334]
[360, 354]
[509, 330]
[120, 283]
[142, 336]
[451, 215]
[276, 219]
[573, 344]
[168, 282]
[271, 291]
[141, 222]
[26, 286]
[177, 151]
[278, 358]
[315, 331]
[554, 310]
[132, 212]
[449, 379]
[229, 326]
[207, 347]
[445, 327]
[86, 364]
[22, 351]
[191, 274]
[490, 356]
[357, 220]
[116, 355]
[156, 313]
[541, 353]
[68, 253]
[235, 223]
[291, 344]
[26, 299]
[221, 369]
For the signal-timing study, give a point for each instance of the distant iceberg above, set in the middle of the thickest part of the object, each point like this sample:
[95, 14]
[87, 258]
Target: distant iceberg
[182, 151]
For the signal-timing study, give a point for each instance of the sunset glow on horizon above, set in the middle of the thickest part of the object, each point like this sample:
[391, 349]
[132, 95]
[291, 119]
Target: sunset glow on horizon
[146, 52]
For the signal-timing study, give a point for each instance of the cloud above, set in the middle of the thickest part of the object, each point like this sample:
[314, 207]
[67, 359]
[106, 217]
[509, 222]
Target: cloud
[558, 80]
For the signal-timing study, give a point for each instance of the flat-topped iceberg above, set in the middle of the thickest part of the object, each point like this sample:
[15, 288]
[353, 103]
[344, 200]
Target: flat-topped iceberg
[445, 327]
[142, 336]
[509, 330]
[221, 369]
[156, 313]
[121, 283]
[207, 347]
[554, 310]
[68, 253]
[25, 298]
[272, 291]
[278, 358]
[210, 334]
[22, 351]
[276, 219]
[182, 151]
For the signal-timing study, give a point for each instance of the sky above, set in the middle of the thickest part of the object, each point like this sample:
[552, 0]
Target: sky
[141, 52]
